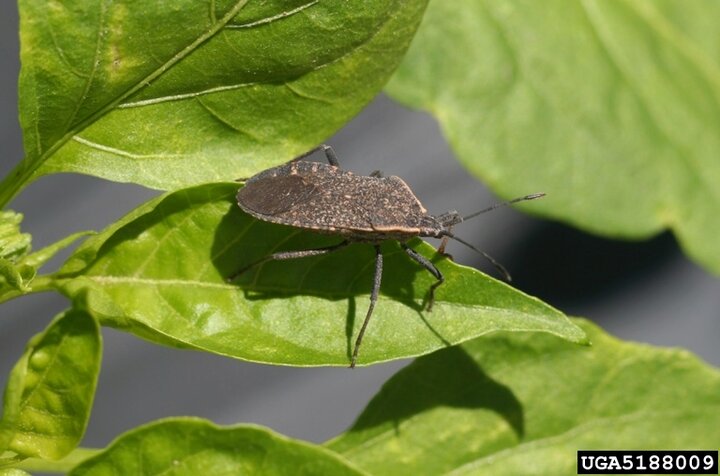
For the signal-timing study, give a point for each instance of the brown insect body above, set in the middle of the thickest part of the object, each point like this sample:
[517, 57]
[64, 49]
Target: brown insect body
[371, 209]
[327, 199]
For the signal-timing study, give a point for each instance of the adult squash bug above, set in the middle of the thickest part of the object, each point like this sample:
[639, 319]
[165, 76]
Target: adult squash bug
[368, 209]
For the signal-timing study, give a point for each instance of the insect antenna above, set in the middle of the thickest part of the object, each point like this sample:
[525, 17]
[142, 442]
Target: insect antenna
[492, 260]
[454, 219]
[532, 196]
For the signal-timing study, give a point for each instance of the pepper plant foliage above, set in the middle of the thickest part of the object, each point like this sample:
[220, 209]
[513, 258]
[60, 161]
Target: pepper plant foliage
[186, 96]
[614, 106]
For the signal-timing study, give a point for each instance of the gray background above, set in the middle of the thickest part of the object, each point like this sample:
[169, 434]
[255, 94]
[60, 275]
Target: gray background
[645, 291]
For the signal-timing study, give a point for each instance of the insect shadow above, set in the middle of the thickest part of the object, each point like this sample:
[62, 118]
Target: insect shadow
[464, 385]
[241, 240]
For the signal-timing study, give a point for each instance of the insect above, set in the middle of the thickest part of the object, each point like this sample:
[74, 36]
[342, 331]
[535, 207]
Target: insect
[368, 209]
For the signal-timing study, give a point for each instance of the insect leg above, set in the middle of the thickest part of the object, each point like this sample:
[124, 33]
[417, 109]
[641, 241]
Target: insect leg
[289, 255]
[427, 264]
[443, 244]
[329, 154]
[376, 174]
[373, 300]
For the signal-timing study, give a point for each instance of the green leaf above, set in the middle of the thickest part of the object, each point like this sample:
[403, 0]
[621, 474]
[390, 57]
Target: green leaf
[611, 107]
[13, 472]
[63, 465]
[18, 267]
[50, 390]
[167, 95]
[14, 278]
[14, 246]
[40, 257]
[524, 404]
[161, 274]
[193, 446]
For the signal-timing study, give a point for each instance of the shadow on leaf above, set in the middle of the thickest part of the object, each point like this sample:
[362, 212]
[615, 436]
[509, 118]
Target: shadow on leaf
[241, 240]
[448, 378]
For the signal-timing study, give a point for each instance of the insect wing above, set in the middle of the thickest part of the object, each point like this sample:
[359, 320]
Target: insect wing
[321, 197]
[274, 196]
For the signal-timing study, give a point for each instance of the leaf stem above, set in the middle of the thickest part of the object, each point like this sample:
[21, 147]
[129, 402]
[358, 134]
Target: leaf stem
[13, 182]
[39, 284]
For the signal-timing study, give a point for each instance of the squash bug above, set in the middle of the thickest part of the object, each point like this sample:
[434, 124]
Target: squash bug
[370, 209]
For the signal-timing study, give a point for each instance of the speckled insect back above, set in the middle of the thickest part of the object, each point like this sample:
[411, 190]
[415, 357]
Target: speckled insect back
[327, 199]
[369, 209]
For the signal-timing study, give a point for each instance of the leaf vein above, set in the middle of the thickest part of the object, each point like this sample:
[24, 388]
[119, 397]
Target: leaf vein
[180, 97]
[303, 95]
[216, 116]
[273, 250]
[612, 422]
[104, 279]
[46, 370]
[279, 16]
[95, 64]
[45, 412]
[141, 84]
[122, 153]
[228, 246]
[61, 54]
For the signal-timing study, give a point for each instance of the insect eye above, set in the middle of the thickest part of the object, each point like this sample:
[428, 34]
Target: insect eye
[450, 218]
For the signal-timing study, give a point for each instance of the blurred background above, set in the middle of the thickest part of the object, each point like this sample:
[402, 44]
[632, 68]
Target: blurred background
[642, 291]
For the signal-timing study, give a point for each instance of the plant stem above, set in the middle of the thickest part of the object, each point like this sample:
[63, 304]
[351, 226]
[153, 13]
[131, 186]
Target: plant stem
[14, 182]
[40, 284]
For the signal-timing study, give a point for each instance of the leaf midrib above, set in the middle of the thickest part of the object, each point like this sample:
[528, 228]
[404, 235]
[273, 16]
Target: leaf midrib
[157, 282]
[542, 441]
[82, 125]
[590, 425]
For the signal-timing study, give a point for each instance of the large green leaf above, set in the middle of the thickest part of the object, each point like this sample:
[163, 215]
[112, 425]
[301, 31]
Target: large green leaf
[611, 107]
[50, 391]
[167, 94]
[160, 273]
[524, 404]
[192, 446]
